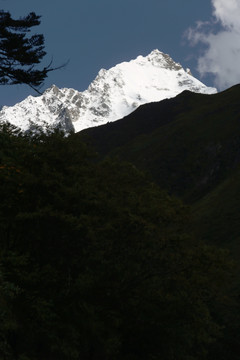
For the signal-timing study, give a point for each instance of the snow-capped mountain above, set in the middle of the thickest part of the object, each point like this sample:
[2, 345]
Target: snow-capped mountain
[112, 95]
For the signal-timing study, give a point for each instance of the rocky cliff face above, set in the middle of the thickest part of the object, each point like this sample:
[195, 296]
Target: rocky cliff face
[112, 95]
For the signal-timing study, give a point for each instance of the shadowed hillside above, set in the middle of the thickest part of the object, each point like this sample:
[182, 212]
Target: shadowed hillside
[188, 144]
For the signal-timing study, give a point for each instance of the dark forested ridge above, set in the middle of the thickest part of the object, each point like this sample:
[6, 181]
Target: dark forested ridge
[192, 136]
[190, 146]
[99, 260]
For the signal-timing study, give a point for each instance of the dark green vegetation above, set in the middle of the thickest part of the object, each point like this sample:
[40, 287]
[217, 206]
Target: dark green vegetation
[96, 262]
[20, 53]
[190, 146]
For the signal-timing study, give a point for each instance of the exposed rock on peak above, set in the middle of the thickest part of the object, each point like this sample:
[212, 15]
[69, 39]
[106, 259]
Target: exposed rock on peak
[112, 95]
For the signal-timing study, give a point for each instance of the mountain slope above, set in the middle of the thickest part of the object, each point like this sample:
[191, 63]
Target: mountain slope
[188, 144]
[217, 215]
[113, 94]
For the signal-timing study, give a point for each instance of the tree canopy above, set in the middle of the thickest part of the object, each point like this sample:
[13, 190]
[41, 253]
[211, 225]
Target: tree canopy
[96, 261]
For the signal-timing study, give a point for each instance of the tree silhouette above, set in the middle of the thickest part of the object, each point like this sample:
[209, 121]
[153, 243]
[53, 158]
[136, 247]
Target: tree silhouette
[21, 53]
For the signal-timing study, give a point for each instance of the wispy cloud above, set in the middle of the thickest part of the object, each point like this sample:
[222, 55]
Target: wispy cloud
[221, 37]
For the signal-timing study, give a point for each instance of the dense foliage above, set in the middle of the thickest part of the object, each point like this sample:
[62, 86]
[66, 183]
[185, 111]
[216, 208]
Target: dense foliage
[96, 262]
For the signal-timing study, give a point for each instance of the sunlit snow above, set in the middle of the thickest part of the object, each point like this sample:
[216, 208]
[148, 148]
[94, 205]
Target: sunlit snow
[112, 95]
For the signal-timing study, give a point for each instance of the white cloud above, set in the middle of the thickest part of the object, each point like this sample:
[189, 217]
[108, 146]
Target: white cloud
[227, 11]
[221, 56]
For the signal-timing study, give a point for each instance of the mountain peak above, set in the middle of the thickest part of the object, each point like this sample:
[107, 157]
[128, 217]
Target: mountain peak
[113, 94]
[53, 90]
[158, 58]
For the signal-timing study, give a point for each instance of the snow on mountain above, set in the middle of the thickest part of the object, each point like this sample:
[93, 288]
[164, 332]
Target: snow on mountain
[40, 111]
[112, 95]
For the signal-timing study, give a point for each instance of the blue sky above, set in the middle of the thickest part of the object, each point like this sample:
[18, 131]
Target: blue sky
[95, 34]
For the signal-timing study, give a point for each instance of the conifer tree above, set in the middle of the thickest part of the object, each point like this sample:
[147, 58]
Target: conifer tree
[20, 53]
